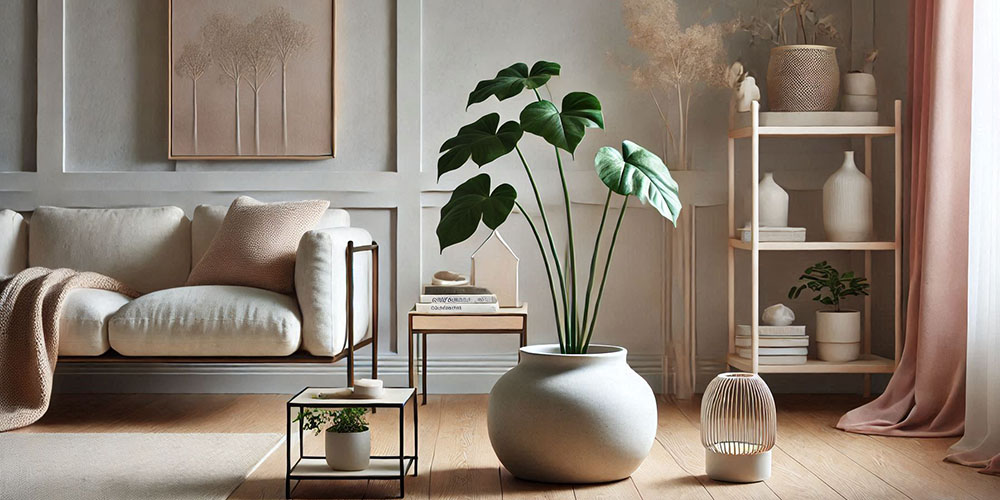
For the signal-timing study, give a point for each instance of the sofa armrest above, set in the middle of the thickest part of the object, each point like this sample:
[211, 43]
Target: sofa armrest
[13, 243]
[321, 288]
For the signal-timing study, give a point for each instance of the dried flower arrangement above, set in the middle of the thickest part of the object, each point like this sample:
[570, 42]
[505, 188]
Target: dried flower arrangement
[679, 63]
[810, 27]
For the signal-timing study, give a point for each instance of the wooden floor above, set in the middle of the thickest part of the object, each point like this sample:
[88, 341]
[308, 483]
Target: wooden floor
[812, 459]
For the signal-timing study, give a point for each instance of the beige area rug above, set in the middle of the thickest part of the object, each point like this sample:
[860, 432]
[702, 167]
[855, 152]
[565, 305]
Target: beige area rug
[128, 466]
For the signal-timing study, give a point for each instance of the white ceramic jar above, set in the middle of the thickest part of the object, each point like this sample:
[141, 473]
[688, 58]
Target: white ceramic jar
[350, 451]
[838, 335]
[847, 203]
[773, 202]
[572, 418]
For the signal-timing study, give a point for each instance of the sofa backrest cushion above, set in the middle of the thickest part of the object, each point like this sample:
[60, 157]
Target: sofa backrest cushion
[147, 248]
[207, 219]
[13, 242]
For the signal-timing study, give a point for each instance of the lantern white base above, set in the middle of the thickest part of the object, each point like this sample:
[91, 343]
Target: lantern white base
[738, 468]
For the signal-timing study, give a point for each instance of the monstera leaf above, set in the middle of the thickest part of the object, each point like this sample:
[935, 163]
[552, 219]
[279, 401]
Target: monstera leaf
[471, 202]
[639, 173]
[565, 129]
[481, 140]
[511, 80]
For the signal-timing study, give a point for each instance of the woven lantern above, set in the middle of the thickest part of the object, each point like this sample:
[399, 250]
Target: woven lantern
[738, 426]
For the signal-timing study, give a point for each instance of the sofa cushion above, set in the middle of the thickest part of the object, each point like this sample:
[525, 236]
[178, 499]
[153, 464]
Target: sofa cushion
[207, 219]
[13, 242]
[256, 244]
[83, 321]
[210, 320]
[147, 248]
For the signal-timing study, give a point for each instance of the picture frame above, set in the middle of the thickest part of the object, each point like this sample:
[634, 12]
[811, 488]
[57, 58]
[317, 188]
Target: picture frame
[266, 30]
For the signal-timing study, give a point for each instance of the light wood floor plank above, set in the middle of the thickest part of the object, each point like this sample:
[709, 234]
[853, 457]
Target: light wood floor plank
[661, 477]
[618, 490]
[464, 463]
[516, 489]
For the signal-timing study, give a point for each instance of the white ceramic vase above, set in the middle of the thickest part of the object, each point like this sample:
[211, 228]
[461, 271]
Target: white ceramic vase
[847, 203]
[838, 335]
[349, 451]
[773, 203]
[572, 418]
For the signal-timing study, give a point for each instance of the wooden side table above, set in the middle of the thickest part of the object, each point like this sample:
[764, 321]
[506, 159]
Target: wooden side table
[509, 320]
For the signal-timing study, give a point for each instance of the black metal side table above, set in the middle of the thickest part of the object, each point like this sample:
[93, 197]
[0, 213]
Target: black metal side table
[386, 467]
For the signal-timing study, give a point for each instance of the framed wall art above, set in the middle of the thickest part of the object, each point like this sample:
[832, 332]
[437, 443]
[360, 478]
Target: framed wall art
[251, 79]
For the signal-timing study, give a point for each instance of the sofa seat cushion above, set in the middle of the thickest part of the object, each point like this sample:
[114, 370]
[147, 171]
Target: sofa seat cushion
[208, 320]
[83, 321]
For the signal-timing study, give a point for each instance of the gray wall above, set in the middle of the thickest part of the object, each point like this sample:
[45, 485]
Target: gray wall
[404, 69]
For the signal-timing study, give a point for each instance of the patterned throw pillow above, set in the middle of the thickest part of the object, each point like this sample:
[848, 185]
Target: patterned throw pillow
[256, 244]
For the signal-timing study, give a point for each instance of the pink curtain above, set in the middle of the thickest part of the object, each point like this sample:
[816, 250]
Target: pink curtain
[926, 396]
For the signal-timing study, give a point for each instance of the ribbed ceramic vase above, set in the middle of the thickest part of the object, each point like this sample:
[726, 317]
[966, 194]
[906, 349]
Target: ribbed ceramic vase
[773, 203]
[572, 418]
[847, 203]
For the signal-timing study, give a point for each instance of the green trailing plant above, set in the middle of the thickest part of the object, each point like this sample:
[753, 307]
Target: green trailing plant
[822, 276]
[341, 421]
[633, 171]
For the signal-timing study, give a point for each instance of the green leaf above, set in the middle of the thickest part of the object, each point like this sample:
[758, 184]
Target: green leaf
[640, 173]
[565, 129]
[511, 80]
[481, 140]
[471, 202]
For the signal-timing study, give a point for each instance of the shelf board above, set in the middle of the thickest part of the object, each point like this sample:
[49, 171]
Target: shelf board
[316, 468]
[867, 364]
[814, 245]
[873, 131]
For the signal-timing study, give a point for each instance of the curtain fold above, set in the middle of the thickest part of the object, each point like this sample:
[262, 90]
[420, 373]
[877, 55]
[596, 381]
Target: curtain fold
[926, 395]
[980, 446]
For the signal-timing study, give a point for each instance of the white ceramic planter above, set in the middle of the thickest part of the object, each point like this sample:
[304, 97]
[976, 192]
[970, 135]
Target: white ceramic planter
[859, 103]
[838, 353]
[773, 203]
[572, 418]
[348, 450]
[847, 203]
[835, 329]
[858, 84]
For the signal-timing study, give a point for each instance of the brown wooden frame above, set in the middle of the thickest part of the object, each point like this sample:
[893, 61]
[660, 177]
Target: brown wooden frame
[333, 100]
[298, 357]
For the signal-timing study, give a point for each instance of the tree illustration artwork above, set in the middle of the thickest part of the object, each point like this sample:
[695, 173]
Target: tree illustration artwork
[289, 38]
[259, 56]
[226, 42]
[192, 63]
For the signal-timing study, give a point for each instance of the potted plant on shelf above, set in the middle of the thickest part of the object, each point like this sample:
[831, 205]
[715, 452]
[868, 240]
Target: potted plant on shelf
[348, 441]
[838, 332]
[571, 412]
[802, 75]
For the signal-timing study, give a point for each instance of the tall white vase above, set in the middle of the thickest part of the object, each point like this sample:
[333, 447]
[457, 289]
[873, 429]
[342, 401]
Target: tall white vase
[847, 203]
[773, 203]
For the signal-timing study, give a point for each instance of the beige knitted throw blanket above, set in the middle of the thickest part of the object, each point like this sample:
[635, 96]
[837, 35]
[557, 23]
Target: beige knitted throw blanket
[30, 303]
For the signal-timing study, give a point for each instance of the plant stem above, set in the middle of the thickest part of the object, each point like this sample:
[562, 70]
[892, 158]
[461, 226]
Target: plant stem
[548, 273]
[548, 234]
[593, 260]
[574, 321]
[682, 151]
[604, 279]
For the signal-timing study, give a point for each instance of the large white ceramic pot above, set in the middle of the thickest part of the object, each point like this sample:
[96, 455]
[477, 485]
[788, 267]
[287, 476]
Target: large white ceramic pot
[349, 451]
[803, 78]
[838, 335]
[572, 418]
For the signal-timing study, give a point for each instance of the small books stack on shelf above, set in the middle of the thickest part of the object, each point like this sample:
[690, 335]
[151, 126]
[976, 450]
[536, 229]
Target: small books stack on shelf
[439, 299]
[778, 345]
[767, 233]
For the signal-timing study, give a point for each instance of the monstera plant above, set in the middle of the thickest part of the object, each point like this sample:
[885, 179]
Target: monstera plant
[633, 171]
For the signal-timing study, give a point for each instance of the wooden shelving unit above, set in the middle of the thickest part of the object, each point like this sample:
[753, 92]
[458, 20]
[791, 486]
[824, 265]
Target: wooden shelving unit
[868, 363]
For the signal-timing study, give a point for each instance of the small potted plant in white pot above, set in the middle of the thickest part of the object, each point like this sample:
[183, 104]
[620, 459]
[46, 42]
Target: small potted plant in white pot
[348, 439]
[838, 331]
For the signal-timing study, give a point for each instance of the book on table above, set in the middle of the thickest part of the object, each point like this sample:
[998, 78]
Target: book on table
[744, 352]
[441, 299]
[776, 341]
[780, 360]
[772, 331]
[458, 308]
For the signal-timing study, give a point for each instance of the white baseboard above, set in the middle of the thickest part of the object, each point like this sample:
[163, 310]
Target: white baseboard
[445, 375]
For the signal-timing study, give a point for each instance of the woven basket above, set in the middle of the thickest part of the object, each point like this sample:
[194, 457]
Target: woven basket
[803, 78]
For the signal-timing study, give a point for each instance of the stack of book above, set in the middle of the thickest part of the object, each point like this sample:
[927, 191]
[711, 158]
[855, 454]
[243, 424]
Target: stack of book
[777, 345]
[438, 299]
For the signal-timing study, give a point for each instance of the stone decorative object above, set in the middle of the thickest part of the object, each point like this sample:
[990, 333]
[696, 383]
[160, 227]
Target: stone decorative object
[448, 278]
[838, 335]
[738, 428]
[777, 315]
[494, 266]
[859, 92]
[803, 78]
[747, 93]
[847, 203]
[572, 418]
[349, 451]
[773, 203]
[367, 388]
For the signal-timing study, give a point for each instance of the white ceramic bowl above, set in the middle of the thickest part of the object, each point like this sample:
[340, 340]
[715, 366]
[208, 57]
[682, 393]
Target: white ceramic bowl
[838, 353]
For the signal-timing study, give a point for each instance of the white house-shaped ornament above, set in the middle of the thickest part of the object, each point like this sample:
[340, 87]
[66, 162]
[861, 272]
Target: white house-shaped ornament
[494, 266]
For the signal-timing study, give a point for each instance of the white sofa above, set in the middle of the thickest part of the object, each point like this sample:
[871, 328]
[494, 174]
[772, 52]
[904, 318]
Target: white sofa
[152, 250]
